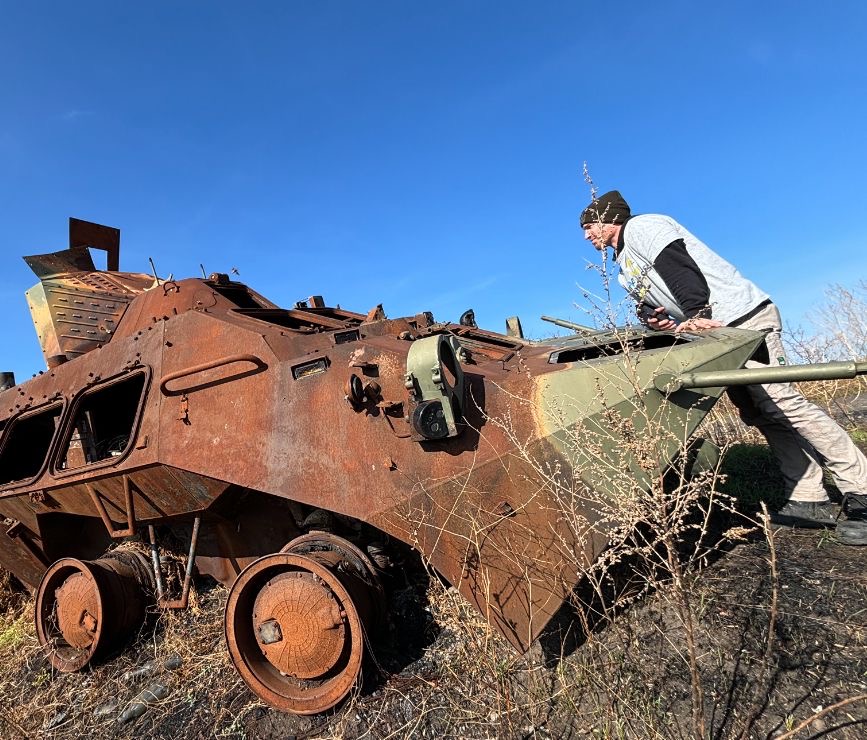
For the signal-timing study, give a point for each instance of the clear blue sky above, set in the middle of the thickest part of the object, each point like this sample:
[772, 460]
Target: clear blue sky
[428, 156]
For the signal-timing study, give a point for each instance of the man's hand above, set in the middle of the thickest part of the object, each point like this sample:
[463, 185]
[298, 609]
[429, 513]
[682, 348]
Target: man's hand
[660, 320]
[697, 323]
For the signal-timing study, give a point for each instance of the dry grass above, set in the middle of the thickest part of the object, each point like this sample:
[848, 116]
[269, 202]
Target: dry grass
[624, 677]
[204, 691]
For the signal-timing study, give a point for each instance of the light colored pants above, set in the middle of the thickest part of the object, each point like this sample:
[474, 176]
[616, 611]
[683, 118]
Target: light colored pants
[801, 435]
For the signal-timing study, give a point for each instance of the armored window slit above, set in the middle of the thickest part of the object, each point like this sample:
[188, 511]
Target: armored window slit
[237, 294]
[616, 346]
[26, 443]
[103, 421]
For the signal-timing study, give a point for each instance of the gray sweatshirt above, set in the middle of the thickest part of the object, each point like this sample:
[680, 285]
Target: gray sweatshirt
[644, 237]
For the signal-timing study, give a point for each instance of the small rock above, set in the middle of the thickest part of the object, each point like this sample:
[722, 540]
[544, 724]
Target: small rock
[133, 711]
[173, 662]
[151, 695]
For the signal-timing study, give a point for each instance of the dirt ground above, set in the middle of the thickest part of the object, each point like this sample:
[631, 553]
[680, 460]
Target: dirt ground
[440, 673]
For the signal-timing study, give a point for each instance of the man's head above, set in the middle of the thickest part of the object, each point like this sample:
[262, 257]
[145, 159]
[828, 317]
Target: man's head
[603, 219]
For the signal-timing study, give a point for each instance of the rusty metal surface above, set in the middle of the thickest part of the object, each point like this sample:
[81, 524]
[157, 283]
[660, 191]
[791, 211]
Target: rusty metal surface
[75, 259]
[106, 238]
[82, 234]
[76, 312]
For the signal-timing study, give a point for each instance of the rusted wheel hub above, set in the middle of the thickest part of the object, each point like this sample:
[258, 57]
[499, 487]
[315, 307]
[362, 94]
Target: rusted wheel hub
[84, 608]
[299, 624]
[78, 609]
[294, 631]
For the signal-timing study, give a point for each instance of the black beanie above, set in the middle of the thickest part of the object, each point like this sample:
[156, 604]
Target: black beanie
[608, 208]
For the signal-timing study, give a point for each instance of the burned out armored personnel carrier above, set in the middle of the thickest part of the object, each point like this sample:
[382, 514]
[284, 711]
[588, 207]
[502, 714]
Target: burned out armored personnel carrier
[283, 450]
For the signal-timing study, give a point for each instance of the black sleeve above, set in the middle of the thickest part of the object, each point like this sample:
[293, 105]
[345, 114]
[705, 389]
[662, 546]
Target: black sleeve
[684, 279]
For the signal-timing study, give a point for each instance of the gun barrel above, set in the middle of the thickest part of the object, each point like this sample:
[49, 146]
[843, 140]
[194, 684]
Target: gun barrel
[756, 376]
[578, 328]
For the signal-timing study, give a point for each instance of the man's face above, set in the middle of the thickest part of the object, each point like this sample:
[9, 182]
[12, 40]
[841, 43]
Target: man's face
[601, 235]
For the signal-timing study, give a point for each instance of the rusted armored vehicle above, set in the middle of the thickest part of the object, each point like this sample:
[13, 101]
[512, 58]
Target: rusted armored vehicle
[282, 450]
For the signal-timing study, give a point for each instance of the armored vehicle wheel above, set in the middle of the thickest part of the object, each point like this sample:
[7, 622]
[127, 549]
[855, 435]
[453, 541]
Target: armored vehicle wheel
[85, 608]
[295, 631]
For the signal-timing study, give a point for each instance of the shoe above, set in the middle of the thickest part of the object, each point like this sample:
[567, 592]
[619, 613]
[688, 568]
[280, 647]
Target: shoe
[855, 507]
[806, 514]
[852, 527]
[851, 532]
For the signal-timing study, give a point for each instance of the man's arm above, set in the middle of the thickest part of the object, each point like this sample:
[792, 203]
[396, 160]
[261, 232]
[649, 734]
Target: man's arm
[688, 285]
[684, 279]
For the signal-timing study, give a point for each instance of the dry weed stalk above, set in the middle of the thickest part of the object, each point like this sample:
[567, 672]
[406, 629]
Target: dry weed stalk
[840, 327]
[818, 715]
[768, 662]
[839, 333]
